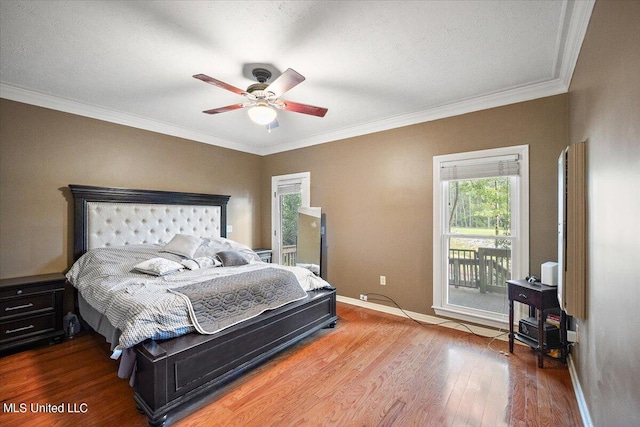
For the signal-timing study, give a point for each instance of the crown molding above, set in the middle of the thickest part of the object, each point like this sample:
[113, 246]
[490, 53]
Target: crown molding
[576, 28]
[54, 103]
[497, 99]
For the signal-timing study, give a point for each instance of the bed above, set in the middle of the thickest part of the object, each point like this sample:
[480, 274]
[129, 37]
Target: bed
[174, 370]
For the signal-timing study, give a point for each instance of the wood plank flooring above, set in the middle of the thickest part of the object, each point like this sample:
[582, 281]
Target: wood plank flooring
[373, 369]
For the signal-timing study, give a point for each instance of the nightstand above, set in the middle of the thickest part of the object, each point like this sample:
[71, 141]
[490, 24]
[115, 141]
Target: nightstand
[31, 310]
[539, 297]
[264, 254]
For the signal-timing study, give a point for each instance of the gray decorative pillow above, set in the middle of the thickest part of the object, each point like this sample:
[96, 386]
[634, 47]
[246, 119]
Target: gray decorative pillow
[231, 258]
[158, 266]
[183, 245]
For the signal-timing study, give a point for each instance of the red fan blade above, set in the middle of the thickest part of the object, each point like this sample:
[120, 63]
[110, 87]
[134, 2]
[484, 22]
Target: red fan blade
[285, 81]
[218, 83]
[224, 109]
[304, 108]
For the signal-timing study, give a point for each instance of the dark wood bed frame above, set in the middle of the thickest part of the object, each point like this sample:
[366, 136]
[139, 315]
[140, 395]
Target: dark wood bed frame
[175, 376]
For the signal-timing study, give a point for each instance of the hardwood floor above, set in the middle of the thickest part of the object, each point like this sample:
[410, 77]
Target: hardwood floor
[373, 369]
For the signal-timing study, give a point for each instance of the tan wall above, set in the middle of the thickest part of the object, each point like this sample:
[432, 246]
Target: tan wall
[376, 192]
[604, 101]
[42, 151]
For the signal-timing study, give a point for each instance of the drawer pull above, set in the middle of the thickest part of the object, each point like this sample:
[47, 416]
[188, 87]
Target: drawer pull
[523, 296]
[11, 331]
[18, 307]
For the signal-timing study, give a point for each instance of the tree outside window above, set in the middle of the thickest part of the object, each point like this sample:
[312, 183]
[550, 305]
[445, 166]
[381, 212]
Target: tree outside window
[290, 204]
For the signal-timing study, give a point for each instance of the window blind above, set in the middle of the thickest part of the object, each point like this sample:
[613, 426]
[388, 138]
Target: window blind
[486, 167]
[289, 188]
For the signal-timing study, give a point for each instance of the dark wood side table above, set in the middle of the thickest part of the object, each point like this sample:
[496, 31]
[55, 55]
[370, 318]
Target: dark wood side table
[264, 254]
[31, 310]
[539, 297]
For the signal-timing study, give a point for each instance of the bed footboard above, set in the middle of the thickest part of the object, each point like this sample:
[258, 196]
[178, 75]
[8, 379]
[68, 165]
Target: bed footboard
[175, 374]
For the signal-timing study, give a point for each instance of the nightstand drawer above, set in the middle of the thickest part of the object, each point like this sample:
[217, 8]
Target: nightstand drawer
[31, 310]
[21, 291]
[30, 303]
[20, 328]
[524, 295]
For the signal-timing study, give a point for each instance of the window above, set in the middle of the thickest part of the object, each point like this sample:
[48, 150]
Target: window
[290, 192]
[481, 232]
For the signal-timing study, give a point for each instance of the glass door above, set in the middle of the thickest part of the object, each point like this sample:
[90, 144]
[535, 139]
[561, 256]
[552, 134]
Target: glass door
[289, 205]
[290, 193]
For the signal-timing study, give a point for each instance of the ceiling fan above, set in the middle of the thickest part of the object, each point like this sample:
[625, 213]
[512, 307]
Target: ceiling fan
[264, 97]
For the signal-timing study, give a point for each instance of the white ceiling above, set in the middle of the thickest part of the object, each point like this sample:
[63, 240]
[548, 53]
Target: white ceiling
[375, 65]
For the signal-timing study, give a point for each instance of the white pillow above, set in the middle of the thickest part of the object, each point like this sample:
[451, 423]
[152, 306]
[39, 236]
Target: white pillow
[158, 266]
[183, 245]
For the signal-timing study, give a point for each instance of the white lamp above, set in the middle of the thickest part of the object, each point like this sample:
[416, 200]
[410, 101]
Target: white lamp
[262, 114]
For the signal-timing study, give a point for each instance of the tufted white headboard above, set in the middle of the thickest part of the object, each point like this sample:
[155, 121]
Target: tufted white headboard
[117, 224]
[115, 216]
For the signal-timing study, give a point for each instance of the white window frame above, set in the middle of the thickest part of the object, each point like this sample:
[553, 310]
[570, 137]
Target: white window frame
[304, 180]
[520, 234]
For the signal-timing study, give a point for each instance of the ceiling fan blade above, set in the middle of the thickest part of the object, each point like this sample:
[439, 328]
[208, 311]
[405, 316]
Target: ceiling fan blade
[224, 109]
[287, 80]
[304, 108]
[218, 83]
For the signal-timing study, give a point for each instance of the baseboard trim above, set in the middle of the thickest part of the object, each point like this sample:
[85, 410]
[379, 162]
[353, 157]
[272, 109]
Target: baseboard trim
[577, 389]
[498, 334]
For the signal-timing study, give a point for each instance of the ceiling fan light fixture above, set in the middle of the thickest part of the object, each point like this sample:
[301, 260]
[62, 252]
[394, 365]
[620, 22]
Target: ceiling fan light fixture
[262, 114]
[265, 97]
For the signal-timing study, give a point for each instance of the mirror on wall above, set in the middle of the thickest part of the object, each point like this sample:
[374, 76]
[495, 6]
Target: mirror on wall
[309, 245]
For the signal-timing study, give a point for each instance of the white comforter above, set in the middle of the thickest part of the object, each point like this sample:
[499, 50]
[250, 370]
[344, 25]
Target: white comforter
[140, 305]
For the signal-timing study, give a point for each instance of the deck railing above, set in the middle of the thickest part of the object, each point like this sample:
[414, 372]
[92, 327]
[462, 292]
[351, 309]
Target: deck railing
[289, 255]
[486, 269]
[463, 268]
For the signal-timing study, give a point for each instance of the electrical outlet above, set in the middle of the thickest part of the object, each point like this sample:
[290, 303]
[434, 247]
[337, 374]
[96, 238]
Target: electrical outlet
[363, 297]
[383, 280]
